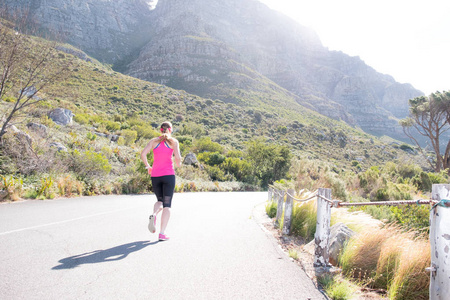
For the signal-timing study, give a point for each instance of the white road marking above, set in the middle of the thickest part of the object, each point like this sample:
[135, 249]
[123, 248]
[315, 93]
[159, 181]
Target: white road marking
[67, 221]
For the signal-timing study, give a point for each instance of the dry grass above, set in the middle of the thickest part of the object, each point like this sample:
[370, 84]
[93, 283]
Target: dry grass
[411, 281]
[390, 259]
[360, 257]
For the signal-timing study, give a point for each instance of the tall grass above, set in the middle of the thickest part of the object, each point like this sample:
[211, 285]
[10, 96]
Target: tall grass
[304, 218]
[411, 281]
[391, 259]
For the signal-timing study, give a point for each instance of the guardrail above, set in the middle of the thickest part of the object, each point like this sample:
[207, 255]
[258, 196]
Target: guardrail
[439, 228]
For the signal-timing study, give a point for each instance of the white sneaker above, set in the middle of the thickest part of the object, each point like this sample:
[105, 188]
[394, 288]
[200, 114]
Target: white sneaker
[152, 223]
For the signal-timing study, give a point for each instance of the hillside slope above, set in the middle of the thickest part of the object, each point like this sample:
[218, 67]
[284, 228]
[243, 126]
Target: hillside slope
[216, 49]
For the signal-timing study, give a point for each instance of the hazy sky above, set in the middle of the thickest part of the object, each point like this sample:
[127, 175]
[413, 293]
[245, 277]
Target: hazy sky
[409, 40]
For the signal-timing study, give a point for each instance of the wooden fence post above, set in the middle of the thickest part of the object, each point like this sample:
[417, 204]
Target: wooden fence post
[288, 208]
[279, 208]
[440, 245]
[270, 194]
[321, 256]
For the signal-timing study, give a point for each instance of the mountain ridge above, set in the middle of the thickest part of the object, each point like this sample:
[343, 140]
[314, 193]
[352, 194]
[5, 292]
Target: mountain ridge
[215, 49]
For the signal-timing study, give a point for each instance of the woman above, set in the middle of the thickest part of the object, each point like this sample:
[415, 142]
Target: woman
[163, 175]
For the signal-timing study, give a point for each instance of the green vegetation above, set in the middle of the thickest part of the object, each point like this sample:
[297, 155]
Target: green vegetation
[271, 209]
[338, 288]
[392, 257]
[239, 147]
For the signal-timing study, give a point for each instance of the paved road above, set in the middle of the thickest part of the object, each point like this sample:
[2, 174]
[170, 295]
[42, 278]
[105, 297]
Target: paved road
[100, 248]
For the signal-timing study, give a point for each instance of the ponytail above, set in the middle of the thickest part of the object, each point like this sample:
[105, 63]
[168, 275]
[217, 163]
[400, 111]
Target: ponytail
[165, 134]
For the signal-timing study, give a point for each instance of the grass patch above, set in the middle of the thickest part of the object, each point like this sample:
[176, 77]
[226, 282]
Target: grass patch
[271, 209]
[390, 259]
[338, 288]
[293, 254]
[304, 217]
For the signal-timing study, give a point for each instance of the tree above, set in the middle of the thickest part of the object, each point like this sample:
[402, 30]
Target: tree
[270, 162]
[27, 66]
[430, 117]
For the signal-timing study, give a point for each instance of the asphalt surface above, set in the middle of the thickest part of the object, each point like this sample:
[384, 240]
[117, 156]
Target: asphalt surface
[100, 248]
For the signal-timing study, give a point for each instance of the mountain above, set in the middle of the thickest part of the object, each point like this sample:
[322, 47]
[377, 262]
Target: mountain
[237, 51]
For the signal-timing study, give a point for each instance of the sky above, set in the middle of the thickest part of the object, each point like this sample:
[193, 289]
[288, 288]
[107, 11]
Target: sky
[409, 40]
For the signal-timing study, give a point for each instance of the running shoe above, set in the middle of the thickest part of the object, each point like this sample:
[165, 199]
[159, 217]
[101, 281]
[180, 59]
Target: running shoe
[163, 237]
[152, 223]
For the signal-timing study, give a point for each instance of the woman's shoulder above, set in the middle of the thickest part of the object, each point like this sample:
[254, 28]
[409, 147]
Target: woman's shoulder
[155, 140]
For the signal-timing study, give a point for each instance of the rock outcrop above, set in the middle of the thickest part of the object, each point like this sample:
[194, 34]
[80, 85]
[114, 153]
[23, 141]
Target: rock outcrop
[61, 116]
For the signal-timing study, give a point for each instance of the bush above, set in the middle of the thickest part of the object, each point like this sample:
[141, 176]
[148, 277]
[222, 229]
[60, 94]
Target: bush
[12, 186]
[193, 129]
[413, 217]
[82, 119]
[129, 136]
[211, 158]
[112, 126]
[90, 164]
[205, 144]
[216, 174]
[239, 168]
[145, 132]
[269, 162]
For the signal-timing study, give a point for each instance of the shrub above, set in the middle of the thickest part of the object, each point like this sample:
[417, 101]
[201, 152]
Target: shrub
[216, 174]
[129, 136]
[145, 132]
[413, 217]
[89, 163]
[90, 136]
[193, 129]
[406, 147]
[81, 118]
[66, 186]
[211, 158]
[44, 191]
[239, 168]
[270, 162]
[12, 186]
[205, 144]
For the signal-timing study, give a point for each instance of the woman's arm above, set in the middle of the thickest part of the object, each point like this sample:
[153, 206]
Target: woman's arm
[177, 154]
[144, 154]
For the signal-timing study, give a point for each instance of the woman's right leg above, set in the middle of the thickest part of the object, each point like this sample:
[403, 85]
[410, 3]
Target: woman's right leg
[165, 219]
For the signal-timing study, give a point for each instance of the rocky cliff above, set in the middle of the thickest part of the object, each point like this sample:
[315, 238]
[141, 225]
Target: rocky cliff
[109, 30]
[217, 48]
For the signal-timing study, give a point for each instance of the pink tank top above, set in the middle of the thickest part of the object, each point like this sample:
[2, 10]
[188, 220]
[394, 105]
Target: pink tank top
[162, 160]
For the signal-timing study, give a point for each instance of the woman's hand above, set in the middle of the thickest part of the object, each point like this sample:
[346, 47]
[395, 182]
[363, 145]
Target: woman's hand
[149, 170]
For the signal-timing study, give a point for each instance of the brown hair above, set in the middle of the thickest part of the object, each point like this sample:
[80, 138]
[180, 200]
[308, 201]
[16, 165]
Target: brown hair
[165, 134]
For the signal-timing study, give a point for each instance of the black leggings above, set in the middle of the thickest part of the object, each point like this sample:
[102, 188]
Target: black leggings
[163, 187]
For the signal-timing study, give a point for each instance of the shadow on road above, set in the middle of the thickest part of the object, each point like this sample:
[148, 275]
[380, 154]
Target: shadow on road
[99, 256]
